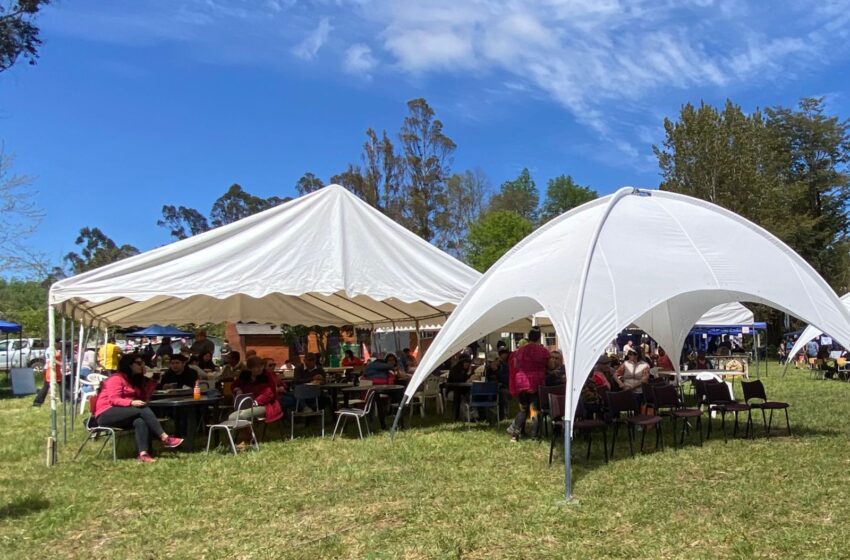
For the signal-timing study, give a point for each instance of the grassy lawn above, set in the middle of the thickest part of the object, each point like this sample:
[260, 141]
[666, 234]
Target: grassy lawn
[440, 490]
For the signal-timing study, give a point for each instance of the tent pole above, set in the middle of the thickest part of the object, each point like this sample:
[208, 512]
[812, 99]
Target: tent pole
[50, 362]
[568, 478]
[63, 361]
[79, 364]
[585, 272]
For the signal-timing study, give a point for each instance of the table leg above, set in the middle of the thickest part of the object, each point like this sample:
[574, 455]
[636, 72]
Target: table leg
[191, 427]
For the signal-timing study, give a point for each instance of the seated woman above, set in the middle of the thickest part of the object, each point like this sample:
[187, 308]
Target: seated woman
[350, 360]
[122, 403]
[233, 367]
[382, 372]
[632, 375]
[205, 362]
[664, 363]
[254, 382]
[556, 372]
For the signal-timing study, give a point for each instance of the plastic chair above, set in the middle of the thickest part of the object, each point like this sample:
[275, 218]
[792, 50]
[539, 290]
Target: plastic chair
[754, 390]
[624, 402]
[557, 408]
[667, 397]
[357, 413]
[306, 394]
[719, 399]
[91, 384]
[430, 391]
[242, 403]
[482, 395]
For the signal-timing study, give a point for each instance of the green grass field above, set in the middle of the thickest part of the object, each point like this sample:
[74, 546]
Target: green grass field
[441, 490]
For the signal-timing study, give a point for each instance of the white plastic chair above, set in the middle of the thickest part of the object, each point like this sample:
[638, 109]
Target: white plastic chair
[430, 391]
[88, 387]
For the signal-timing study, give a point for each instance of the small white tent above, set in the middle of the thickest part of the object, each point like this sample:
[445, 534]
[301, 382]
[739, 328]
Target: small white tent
[581, 269]
[812, 332]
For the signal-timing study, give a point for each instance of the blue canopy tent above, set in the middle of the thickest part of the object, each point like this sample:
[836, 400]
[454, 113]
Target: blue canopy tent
[9, 327]
[159, 330]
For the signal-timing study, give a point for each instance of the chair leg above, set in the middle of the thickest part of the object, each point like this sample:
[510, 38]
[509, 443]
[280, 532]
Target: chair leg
[232, 443]
[659, 437]
[338, 418]
[323, 422]
[292, 426]
[88, 437]
[114, 447]
[631, 429]
[359, 429]
[614, 439]
[589, 441]
[421, 408]
[764, 422]
[552, 447]
[102, 447]
[642, 437]
[698, 425]
[769, 422]
[787, 422]
[723, 425]
[209, 439]
[605, 442]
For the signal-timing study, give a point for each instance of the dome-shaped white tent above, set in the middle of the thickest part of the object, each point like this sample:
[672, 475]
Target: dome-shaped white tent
[610, 262]
[812, 332]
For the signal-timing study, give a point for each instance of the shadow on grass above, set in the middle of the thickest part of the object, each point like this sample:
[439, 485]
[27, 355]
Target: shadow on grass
[23, 506]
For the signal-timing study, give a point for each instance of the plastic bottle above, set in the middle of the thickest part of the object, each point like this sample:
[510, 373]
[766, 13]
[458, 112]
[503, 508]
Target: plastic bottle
[196, 393]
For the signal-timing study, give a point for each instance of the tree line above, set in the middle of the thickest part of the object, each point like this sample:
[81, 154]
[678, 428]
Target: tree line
[785, 169]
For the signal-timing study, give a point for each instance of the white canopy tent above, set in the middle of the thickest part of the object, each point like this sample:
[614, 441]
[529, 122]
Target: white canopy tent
[811, 332]
[326, 258]
[582, 271]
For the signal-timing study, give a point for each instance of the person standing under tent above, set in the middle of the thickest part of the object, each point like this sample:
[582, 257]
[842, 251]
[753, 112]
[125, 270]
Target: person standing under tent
[109, 355]
[527, 374]
[664, 363]
[48, 372]
[202, 344]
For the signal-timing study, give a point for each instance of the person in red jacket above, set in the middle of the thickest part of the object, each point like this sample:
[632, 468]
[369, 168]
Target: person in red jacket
[122, 403]
[527, 373]
[260, 386]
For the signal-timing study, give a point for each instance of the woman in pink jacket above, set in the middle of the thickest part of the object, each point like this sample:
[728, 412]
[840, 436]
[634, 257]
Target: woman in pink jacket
[122, 403]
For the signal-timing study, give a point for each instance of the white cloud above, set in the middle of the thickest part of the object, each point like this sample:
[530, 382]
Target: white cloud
[359, 60]
[308, 49]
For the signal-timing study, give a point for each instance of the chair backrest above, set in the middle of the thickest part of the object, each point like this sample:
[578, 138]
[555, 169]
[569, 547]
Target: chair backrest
[753, 390]
[484, 388]
[558, 405]
[717, 393]
[666, 396]
[307, 392]
[648, 393]
[370, 399]
[432, 385]
[622, 401]
[366, 382]
[243, 402]
[544, 391]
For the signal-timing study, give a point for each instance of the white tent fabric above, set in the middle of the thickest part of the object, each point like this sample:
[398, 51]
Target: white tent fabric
[670, 322]
[812, 332]
[582, 271]
[726, 315]
[327, 258]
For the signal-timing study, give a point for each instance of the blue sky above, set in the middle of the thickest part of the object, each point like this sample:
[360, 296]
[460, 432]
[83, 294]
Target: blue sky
[135, 104]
